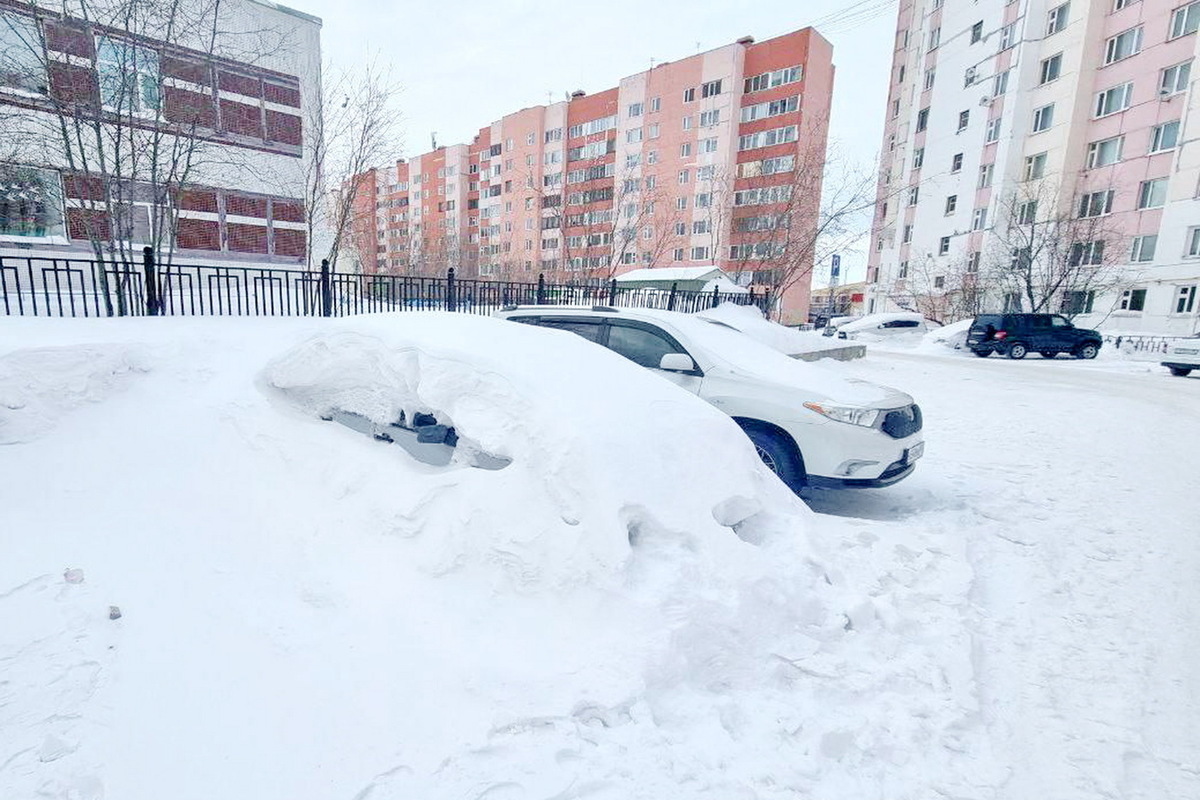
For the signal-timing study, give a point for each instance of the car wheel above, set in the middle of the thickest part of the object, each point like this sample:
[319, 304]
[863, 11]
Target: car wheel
[982, 353]
[1087, 350]
[777, 452]
[1017, 351]
[1180, 372]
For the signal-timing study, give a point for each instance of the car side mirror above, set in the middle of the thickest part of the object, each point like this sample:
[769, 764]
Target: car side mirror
[677, 362]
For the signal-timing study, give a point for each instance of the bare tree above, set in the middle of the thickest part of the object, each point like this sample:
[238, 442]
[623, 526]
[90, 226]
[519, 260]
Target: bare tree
[352, 127]
[1053, 253]
[943, 293]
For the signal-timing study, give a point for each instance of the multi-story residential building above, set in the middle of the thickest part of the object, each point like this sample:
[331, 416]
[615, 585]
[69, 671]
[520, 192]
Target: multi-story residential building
[1047, 140]
[712, 159]
[172, 125]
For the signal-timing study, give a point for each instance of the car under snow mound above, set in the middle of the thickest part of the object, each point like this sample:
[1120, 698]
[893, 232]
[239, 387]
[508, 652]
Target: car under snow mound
[209, 590]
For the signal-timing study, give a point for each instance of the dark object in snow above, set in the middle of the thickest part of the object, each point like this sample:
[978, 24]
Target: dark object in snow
[114, 612]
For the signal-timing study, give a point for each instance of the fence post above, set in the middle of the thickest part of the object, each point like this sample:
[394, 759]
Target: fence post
[451, 291]
[326, 291]
[151, 281]
[716, 296]
[612, 293]
[671, 297]
[541, 289]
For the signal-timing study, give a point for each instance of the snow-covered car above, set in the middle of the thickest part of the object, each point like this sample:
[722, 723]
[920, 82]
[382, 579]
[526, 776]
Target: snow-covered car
[1183, 356]
[810, 425]
[884, 326]
[834, 323]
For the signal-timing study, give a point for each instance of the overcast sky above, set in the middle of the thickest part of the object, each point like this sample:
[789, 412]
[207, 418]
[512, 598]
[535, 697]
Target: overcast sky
[464, 64]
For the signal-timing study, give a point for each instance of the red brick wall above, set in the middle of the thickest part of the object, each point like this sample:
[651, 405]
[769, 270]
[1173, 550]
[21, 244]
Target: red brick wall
[73, 84]
[84, 224]
[189, 108]
[283, 127]
[190, 71]
[198, 200]
[283, 95]
[247, 238]
[287, 212]
[245, 206]
[240, 118]
[240, 84]
[289, 243]
[69, 38]
[198, 234]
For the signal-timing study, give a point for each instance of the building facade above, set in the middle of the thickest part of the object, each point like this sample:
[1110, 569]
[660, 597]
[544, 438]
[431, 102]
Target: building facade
[180, 127]
[713, 159]
[1043, 141]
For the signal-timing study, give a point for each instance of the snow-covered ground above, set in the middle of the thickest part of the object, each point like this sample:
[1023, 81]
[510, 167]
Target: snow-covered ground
[630, 609]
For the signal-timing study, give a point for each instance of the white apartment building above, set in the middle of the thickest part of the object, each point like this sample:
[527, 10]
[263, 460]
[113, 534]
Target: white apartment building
[1085, 105]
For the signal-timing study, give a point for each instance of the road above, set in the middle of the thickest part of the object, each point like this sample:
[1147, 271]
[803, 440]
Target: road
[1068, 489]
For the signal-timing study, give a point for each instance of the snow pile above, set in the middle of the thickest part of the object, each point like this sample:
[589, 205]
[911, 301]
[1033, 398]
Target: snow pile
[750, 321]
[632, 608]
[953, 335]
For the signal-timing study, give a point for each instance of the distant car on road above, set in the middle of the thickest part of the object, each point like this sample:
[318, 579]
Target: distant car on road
[1183, 356]
[810, 426]
[1016, 335]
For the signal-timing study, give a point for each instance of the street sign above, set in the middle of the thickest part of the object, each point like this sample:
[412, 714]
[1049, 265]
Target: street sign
[836, 269]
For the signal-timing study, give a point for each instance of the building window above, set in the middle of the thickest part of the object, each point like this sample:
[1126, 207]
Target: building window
[128, 77]
[21, 65]
[681, 203]
[922, 119]
[1051, 68]
[710, 118]
[1000, 83]
[1143, 248]
[687, 122]
[689, 95]
[1056, 20]
[956, 162]
[31, 203]
[935, 38]
[944, 246]
[1110, 101]
[969, 77]
[1185, 301]
[769, 80]
[677, 254]
[1119, 4]
[1096, 204]
[1086, 254]
[1193, 242]
[973, 261]
[902, 273]
[1175, 79]
[1043, 118]
[710, 89]
[1152, 193]
[1105, 152]
[964, 119]
[683, 176]
[1123, 45]
[979, 219]
[914, 194]
[655, 104]
[699, 254]
[634, 110]
[633, 136]
[1027, 212]
[1164, 137]
[685, 150]
[918, 158]
[993, 131]
[908, 234]
[708, 145]
[939, 281]
[1008, 36]
[930, 74]
[976, 32]
[985, 175]
[951, 204]
[703, 200]
[1185, 20]
[1035, 166]
[1133, 300]
[1078, 302]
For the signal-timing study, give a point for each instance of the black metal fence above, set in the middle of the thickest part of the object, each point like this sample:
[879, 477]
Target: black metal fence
[1142, 342]
[52, 287]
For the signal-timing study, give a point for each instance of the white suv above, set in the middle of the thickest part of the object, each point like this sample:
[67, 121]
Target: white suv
[1183, 356]
[810, 425]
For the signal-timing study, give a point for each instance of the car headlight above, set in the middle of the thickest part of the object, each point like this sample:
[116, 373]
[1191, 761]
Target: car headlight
[864, 417]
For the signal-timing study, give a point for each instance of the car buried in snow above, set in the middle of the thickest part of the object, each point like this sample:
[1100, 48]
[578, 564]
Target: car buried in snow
[1183, 356]
[811, 426]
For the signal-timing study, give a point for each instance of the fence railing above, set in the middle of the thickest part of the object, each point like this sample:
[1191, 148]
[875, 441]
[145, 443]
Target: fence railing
[53, 287]
[1141, 343]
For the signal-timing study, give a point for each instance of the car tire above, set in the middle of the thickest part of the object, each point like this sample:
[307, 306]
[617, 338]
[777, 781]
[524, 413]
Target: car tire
[777, 452]
[1180, 372]
[982, 353]
[1017, 351]
[1087, 350]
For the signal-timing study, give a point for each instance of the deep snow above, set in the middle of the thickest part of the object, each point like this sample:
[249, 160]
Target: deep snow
[307, 613]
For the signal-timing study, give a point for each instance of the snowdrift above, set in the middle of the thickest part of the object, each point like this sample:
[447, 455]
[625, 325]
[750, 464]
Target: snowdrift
[750, 321]
[209, 591]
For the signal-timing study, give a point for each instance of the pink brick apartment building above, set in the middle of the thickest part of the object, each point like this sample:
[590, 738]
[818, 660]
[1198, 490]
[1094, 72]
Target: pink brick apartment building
[240, 198]
[694, 162]
[1084, 107]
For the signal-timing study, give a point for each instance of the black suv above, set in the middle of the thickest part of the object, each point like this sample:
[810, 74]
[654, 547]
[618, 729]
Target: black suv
[1015, 335]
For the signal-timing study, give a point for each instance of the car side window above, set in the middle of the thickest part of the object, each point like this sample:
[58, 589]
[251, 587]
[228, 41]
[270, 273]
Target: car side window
[588, 330]
[639, 345]
[1060, 322]
[1039, 322]
[900, 323]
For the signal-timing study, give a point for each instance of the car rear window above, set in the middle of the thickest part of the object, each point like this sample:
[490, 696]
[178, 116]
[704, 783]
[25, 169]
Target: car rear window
[984, 320]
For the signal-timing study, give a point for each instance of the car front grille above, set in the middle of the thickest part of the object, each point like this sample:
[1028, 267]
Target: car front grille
[902, 422]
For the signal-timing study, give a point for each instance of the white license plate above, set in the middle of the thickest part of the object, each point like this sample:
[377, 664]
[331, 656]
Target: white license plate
[914, 452]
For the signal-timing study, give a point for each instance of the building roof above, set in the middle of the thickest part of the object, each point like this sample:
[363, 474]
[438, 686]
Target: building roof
[671, 274]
